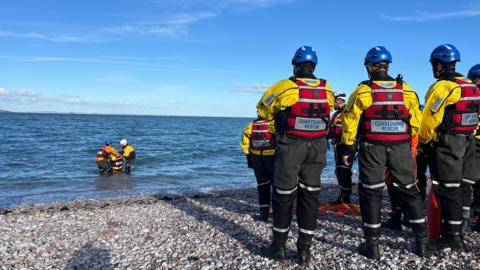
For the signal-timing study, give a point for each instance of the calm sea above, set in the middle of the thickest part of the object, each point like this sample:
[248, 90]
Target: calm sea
[51, 157]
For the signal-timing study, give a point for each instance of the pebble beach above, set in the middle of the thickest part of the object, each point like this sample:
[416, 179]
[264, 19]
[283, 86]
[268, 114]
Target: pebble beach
[212, 230]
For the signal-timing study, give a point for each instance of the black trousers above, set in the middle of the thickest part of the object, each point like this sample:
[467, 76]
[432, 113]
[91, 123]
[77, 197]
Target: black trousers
[422, 165]
[344, 175]
[471, 175]
[298, 167]
[263, 170]
[398, 159]
[448, 162]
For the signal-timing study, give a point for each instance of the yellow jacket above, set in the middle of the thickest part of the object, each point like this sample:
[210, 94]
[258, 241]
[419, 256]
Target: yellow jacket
[440, 95]
[245, 143]
[284, 94]
[361, 99]
[128, 152]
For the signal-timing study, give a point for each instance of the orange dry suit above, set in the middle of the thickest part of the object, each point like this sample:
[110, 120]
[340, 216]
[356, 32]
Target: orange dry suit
[109, 155]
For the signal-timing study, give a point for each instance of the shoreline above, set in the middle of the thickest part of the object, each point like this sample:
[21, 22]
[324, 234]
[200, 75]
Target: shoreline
[209, 230]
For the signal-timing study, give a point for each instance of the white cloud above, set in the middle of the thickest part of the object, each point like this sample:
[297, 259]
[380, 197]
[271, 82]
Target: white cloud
[3, 92]
[256, 88]
[257, 3]
[47, 37]
[173, 27]
[28, 96]
[134, 61]
[222, 4]
[422, 16]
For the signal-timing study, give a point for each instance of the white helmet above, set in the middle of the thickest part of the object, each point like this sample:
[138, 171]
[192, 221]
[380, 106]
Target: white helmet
[123, 142]
[340, 95]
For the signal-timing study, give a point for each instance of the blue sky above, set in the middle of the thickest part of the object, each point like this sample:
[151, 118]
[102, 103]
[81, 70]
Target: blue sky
[209, 57]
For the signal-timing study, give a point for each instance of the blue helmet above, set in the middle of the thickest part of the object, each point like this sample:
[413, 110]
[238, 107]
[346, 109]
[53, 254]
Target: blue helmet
[474, 71]
[445, 53]
[304, 54]
[108, 141]
[378, 54]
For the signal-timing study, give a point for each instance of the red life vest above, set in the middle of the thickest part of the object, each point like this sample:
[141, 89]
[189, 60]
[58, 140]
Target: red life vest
[462, 117]
[309, 117]
[387, 120]
[261, 138]
[335, 129]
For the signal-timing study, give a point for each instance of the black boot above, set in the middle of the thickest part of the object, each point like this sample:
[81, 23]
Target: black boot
[263, 214]
[453, 242]
[276, 250]
[395, 221]
[303, 251]
[466, 228]
[476, 227]
[345, 196]
[425, 247]
[370, 248]
[337, 201]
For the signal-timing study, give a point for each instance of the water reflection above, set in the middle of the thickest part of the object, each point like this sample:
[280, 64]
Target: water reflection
[114, 182]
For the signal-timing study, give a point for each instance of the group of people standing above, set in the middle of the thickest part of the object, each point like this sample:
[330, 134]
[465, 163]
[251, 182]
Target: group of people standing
[110, 161]
[381, 123]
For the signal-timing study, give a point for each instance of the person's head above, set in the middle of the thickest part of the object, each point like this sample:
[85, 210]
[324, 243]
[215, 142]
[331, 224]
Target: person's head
[377, 59]
[304, 61]
[339, 99]
[474, 74]
[108, 142]
[123, 142]
[443, 59]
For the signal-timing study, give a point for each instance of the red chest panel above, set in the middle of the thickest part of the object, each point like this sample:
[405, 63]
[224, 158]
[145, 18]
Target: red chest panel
[463, 116]
[387, 120]
[261, 138]
[309, 117]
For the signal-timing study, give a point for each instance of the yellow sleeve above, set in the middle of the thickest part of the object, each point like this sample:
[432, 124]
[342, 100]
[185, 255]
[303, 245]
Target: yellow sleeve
[359, 100]
[440, 95]
[330, 96]
[276, 98]
[126, 152]
[245, 143]
[271, 127]
[413, 105]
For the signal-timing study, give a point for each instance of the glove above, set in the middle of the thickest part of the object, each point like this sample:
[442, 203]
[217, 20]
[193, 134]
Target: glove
[347, 152]
[249, 160]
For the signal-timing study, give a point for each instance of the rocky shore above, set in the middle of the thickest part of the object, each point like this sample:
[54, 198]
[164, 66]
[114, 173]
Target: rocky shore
[203, 231]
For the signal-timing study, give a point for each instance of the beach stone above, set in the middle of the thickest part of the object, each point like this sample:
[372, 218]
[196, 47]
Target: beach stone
[205, 231]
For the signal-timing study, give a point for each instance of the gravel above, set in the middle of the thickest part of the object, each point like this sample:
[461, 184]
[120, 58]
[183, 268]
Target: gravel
[203, 231]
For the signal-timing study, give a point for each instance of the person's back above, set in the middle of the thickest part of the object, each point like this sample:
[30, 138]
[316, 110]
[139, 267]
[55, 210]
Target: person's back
[448, 121]
[300, 107]
[384, 112]
[474, 75]
[259, 145]
[128, 154]
[107, 158]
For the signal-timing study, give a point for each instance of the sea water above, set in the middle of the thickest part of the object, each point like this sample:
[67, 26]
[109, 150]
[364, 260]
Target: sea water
[51, 157]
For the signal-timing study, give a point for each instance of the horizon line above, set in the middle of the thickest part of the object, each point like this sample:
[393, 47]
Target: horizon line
[120, 114]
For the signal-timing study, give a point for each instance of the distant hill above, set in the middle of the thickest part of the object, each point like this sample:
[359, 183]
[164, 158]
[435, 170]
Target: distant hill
[4, 111]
